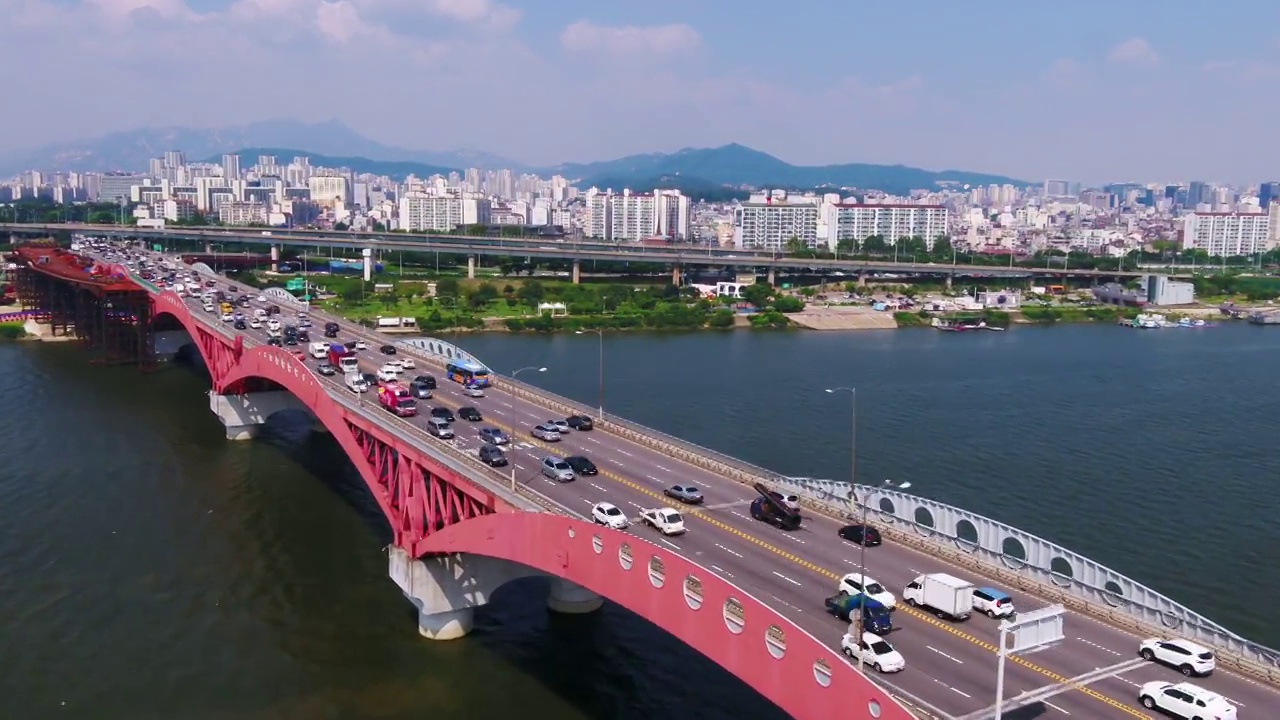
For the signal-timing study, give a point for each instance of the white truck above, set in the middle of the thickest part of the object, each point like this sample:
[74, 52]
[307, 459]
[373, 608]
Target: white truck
[318, 350]
[356, 383]
[945, 595]
[666, 520]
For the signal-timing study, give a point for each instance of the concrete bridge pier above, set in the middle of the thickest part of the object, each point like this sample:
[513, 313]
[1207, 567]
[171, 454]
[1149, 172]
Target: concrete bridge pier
[676, 275]
[950, 279]
[208, 248]
[244, 415]
[862, 279]
[446, 589]
[275, 258]
[577, 272]
[772, 278]
[471, 267]
[572, 599]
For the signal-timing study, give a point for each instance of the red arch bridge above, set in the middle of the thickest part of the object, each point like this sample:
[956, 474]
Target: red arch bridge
[458, 536]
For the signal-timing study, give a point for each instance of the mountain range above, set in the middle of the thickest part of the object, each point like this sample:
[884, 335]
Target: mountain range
[726, 170]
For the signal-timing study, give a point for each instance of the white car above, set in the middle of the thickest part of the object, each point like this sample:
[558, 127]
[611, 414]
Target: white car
[208, 307]
[561, 426]
[667, 521]
[255, 324]
[273, 324]
[387, 374]
[395, 364]
[362, 345]
[473, 391]
[1187, 657]
[855, 583]
[407, 363]
[262, 298]
[609, 515]
[227, 317]
[546, 433]
[1186, 701]
[875, 651]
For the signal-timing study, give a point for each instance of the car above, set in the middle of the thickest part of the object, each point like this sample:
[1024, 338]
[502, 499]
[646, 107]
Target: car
[688, 494]
[582, 465]
[474, 391]
[386, 374]
[493, 436]
[290, 339]
[861, 535]
[407, 363]
[370, 379]
[470, 414]
[854, 583]
[993, 603]
[325, 368]
[239, 324]
[443, 413]
[791, 501]
[492, 456]
[580, 422]
[608, 514]
[665, 520]
[233, 288]
[426, 380]
[875, 651]
[546, 433]
[560, 425]
[394, 364]
[1185, 700]
[273, 325]
[276, 341]
[420, 391]
[361, 345]
[262, 298]
[228, 317]
[385, 349]
[255, 324]
[554, 467]
[1190, 659]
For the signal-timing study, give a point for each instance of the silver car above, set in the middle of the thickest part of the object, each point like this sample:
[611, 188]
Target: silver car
[557, 469]
[546, 433]
[685, 494]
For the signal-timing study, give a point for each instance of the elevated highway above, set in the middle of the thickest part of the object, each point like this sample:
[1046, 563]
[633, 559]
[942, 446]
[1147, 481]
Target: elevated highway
[551, 249]
[950, 667]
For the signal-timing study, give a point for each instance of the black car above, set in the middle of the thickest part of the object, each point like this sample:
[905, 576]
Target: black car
[275, 341]
[387, 349]
[350, 345]
[579, 422]
[861, 534]
[582, 465]
[304, 336]
[492, 456]
[426, 380]
[240, 324]
[290, 340]
[370, 379]
[444, 414]
[418, 390]
[469, 414]
[325, 368]
[331, 329]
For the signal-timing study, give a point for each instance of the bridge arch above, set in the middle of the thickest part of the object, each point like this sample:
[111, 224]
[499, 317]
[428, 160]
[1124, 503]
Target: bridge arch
[202, 268]
[442, 350]
[722, 621]
[284, 297]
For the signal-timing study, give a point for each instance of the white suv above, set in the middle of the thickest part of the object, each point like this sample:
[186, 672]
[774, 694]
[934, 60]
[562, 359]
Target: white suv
[609, 515]
[857, 583]
[1185, 700]
[1189, 658]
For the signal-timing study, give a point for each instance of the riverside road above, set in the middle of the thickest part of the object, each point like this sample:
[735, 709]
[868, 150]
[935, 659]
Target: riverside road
[949, 666]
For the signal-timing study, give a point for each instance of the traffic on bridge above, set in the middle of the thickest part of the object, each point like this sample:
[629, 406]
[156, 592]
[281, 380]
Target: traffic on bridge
[939, 662]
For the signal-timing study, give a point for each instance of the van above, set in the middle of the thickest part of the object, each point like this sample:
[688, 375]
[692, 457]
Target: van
[356, 383]
[318, 350]
[440, 428]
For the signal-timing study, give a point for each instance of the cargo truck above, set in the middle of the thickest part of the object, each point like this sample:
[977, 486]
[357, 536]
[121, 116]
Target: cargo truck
[769, 508]
[343, 359]
[396, 398]
[944, 595]
[876, 618]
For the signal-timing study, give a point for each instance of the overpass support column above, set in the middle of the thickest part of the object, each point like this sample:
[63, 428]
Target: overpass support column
[275, 258]
[950, 279]
[773, 277]
[862, 279]
[471, 267]
[244, 415]
[577, 271]
[208, 248]
[572, 599]
[675, 276]
[446, 589]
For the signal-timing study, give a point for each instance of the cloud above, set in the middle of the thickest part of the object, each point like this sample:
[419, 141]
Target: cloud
[1134, 51]
[654, 41]
[341, 21]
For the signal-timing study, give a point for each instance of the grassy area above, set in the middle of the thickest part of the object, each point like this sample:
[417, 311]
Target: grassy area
[416, 306]
[12, 330]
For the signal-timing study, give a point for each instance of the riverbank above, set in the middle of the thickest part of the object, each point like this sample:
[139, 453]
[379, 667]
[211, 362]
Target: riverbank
[12, 330]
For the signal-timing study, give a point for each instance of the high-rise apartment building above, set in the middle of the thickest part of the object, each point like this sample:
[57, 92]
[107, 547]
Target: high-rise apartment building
[328, 190]
[673, 215]
[768, 221]
[859, 221]
[231, 167]
[1227, 233]
[634, 216]
[442, 213]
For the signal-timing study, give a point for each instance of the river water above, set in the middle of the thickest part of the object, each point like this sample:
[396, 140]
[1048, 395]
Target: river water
[150, 569]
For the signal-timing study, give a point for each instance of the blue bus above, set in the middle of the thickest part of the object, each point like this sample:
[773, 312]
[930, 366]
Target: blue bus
[468, 372]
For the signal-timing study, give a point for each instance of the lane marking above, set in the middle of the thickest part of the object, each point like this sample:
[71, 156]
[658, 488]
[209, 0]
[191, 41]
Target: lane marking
[597, 487]
[722, 571]
[784, 602]
[958, 691]
[784, 577]
[668, 542]
[1055, 707]
[1100, 647]
[735, 553]
[653, 478]
[954, 660]
[661, 468]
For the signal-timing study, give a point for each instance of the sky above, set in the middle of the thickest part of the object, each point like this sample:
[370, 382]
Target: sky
[1092, 90]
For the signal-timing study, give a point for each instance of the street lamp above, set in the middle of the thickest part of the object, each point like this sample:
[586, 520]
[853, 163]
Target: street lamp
[865, 502]
[599, 332]
[531, 367]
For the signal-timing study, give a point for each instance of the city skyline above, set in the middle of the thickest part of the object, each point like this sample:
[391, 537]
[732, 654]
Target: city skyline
[1019, 91]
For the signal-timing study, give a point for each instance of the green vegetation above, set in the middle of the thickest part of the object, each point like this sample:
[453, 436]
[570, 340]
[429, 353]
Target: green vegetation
[1096, 313]
[912, 319]
[1252, 288]
[12, 330]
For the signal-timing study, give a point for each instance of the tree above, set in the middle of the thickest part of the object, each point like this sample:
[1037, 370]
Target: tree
[447, 287]
[341, 226]
[351, 293]
[757, 294]
[484, 293]
[531, 292]
[796, 246]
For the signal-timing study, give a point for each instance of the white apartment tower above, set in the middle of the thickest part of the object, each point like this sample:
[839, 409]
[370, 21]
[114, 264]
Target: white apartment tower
[327, 190]
[768, 221]
[673, 215]
[634, 217]
[231, 167]
[859, 221]
[442, 213]
[597, 223]
[1227, 233]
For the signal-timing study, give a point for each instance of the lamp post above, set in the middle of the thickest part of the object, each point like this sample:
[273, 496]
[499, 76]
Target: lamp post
[599, 332]
[865, 502]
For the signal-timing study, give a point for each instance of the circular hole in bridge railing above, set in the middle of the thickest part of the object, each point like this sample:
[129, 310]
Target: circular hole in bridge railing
[572, 533]
[966, 536]
[1013, 554]
[597, 544]
[822, 673]
[924, 521]
[1113, 594]
[1061, 572]
[1169, 620]
[886, 507]
[625, 558]
[775, 640]
[734, 617]
[657, 572]
[693, 592]
[873, 708]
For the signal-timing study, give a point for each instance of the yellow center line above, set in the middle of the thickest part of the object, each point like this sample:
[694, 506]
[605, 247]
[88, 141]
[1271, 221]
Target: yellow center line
[703, 515]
